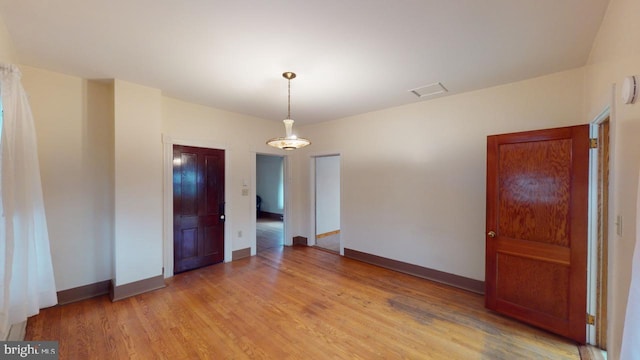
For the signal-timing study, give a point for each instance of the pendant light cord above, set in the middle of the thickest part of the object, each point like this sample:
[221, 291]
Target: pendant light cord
[289, 99]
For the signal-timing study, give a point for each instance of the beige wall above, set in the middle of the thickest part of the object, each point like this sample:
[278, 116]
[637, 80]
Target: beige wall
[616, 54]
[73, 119]
[418, 171]
[7, 51]
[105, 219]
[138, 182]
[100, 148]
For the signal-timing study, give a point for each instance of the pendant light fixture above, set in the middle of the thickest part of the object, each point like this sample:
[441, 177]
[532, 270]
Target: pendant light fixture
[289, 141]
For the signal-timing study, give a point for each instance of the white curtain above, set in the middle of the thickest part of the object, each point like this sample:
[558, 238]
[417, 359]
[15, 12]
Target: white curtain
[631, 336]
[25, 259]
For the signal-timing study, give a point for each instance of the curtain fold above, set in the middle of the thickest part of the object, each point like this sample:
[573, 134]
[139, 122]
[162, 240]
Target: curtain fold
[26, 269]
[631, 335]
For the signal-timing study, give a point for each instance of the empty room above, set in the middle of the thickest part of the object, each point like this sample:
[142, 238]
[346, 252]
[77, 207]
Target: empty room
[320, 179]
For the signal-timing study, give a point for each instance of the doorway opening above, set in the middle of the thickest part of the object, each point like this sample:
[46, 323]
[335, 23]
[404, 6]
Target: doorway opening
[327, 203]
[597, 272]
[270, 202]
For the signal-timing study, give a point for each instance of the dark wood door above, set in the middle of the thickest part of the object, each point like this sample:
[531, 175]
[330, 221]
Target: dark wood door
[198, 207]
[536, 242]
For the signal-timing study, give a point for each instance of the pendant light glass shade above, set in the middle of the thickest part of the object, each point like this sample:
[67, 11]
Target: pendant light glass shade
[289, 141]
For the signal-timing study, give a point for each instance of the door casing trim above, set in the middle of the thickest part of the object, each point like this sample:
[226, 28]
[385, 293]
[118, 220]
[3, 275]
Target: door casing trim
[594, 337]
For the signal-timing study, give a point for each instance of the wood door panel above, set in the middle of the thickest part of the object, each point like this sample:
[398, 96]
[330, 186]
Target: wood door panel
[534, 194]
[536, 247]
[189, 244]
[188, 185]
[536, 318]
[532, 250]
[547, 284]
[198, 183]
[211, 247]
[213, 181]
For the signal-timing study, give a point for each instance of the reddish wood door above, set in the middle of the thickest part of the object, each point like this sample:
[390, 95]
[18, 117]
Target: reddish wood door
[198, 207]
[536, 242]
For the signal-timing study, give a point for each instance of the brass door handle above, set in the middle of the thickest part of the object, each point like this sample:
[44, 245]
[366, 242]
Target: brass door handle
[491, 234]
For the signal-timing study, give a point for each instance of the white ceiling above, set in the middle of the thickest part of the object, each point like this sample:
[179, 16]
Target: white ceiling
[351, 56]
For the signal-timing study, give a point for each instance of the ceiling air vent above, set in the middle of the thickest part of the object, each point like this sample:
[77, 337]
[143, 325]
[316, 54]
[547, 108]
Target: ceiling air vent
[429, 90]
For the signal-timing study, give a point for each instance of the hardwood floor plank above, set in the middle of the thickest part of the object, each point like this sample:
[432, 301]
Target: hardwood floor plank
[269, 234]
[292, 303]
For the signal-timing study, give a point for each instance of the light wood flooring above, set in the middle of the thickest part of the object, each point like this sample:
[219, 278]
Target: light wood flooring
[269, 234]
[331, 242]
[294, 303]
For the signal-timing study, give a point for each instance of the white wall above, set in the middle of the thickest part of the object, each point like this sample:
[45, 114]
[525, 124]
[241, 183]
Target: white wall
[270, 183]
[413, 177]
[74, 128]
[616, 54]
[138, 182]
[327, 197]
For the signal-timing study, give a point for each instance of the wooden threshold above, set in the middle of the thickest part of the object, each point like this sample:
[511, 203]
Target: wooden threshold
[330, 233]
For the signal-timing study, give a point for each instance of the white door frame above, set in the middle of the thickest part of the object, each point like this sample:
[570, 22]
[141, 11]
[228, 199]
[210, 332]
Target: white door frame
[592, 257]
